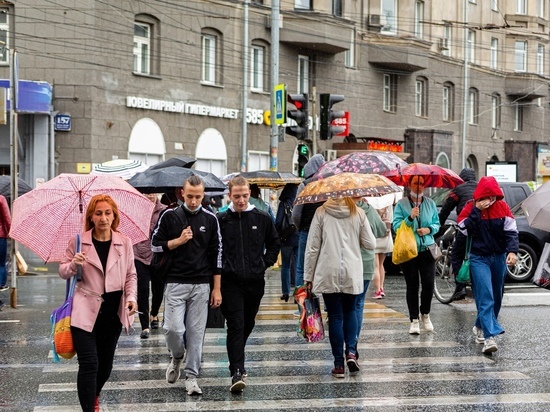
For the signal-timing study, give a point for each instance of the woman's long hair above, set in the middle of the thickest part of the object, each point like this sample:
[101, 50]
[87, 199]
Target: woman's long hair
[88, 224]
[351, 205]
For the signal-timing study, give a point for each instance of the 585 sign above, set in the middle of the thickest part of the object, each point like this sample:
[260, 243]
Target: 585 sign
[254, 116]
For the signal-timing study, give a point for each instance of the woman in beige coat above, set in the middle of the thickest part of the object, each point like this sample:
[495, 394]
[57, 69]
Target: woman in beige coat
[334, 267]
[104, 300]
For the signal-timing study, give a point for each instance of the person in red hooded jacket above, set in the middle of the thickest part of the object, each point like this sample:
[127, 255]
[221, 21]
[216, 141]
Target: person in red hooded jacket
[487, 219]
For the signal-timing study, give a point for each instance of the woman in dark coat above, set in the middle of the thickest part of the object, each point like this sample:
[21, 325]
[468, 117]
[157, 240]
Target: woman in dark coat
[289, 247]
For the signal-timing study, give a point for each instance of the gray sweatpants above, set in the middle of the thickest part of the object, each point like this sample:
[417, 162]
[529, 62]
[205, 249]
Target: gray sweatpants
[185, 312]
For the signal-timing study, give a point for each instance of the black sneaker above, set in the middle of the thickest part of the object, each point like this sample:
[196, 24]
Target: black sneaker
[237, 382]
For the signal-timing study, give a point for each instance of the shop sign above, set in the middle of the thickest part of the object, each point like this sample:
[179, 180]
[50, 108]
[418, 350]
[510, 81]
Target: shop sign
[62, 122]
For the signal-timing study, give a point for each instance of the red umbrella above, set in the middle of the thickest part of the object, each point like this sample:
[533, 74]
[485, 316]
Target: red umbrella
[46, 218]
[433, 175]
[360, 162]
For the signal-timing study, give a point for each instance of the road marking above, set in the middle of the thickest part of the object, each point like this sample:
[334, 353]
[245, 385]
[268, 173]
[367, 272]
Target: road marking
[322, 404]
[299, 380]
[10, 321]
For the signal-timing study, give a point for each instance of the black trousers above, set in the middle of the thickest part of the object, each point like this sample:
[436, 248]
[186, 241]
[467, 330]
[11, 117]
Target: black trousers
[420, 270]
[96, 352]
[240, 304]
[146, 276]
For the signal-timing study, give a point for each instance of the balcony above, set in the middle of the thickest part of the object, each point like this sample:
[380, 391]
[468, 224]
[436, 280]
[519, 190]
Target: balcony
[527, 86]
[404, 55]
[316, 33]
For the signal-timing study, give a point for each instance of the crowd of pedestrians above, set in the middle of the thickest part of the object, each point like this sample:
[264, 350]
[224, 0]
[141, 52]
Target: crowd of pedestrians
[218, 262]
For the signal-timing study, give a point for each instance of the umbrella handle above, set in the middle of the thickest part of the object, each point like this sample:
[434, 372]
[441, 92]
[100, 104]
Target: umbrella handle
[78, 247]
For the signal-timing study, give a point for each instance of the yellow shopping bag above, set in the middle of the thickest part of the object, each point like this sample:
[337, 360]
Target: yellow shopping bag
[404, 246]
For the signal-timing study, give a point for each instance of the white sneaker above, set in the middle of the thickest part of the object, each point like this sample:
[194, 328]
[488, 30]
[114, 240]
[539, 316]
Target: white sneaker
[173, 371]
[427, 324]
[490, 346]
[415, 327]
[192, 387]
[478, 333]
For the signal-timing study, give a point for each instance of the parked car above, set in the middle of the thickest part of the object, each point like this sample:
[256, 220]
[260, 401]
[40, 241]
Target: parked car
[531, 244]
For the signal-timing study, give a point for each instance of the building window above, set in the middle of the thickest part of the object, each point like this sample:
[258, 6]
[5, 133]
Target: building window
[349, 55]
[494, 53]
[447, 38]
[337, 8]
[389, 16]
[520, 56]
[473, 105]
[419, 19]
[495, 111]
[257, 68]
[522, 7]
[448, 102]
[541, 9]
[303, 74]
[471, 46]
[4, 35]
[540, 59]
[494, 5]
[518, 117]
[390, 93]
[142, 48]
[302, 4]
[421, 97]
[209, 51]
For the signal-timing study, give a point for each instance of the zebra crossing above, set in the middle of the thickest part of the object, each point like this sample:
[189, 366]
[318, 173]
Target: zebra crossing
[429, 372]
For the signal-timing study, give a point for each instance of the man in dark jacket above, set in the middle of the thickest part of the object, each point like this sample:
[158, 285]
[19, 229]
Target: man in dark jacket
[250, 246]
[458, 198]
[302, 215]
[191, 235]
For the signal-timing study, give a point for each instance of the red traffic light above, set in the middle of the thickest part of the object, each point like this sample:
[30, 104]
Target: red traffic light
[298, 100]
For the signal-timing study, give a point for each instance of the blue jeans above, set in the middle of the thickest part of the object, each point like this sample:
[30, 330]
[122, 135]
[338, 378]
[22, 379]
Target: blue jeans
[342, 324]
[286, 256]
[488, 273]
[300, 257]
[3, 257]
[360, 305]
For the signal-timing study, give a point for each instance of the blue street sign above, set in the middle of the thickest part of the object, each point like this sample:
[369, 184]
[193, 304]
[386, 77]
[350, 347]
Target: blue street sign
[62, 122]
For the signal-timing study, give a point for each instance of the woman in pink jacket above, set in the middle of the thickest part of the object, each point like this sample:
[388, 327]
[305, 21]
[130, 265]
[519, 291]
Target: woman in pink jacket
[104, 300]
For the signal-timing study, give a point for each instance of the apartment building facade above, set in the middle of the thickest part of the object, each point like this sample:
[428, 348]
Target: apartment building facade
[157, 79]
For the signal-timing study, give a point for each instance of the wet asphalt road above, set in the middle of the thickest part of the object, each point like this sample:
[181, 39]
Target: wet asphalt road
[443, 371]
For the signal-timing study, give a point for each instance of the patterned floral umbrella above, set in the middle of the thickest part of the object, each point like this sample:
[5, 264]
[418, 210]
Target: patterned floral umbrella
[346, 185]
[46, 218]
[433, 175]
[360, 162]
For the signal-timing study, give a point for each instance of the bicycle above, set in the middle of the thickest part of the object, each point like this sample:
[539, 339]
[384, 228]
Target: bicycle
[444, 285]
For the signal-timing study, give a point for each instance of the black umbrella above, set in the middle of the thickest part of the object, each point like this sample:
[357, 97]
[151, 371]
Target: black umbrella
[181, 161]
[5, 187]
[167, 179]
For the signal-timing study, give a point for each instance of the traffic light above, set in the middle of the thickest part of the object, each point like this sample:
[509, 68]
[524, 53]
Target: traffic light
[300, 115]
[328, 115]
[303, 158]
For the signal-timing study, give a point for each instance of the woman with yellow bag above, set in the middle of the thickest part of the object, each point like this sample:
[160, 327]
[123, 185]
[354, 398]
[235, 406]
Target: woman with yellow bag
[419, 215]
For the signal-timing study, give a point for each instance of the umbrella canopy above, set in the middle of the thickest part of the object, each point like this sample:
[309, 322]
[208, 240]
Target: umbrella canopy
[46, 218]
[267, 179]
[433, 175]
[124, 168]
[537, 208]
[5, 187]
[360, 162]
[180, 161]
[346, 185]
[167, 179]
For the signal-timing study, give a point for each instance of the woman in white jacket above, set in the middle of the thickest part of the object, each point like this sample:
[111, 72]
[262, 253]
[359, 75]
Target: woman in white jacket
[334, 267]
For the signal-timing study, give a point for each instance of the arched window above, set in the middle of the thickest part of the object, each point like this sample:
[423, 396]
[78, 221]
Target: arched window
[421, 96]
[146, 45]
[448, 102]
[473, 105]
[146, 142]
[211, 153]
[259, 66]
[211, 45]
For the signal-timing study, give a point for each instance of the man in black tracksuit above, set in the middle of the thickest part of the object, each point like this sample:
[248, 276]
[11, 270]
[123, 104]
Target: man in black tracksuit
[250, 246]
